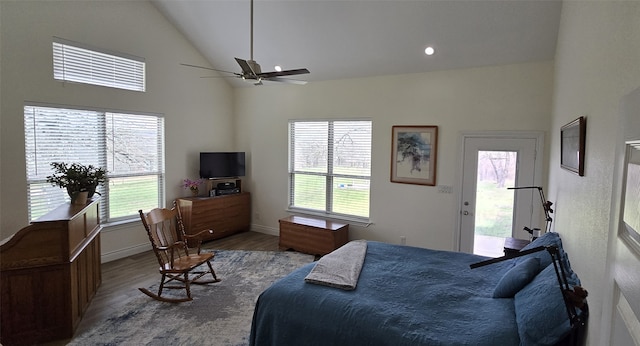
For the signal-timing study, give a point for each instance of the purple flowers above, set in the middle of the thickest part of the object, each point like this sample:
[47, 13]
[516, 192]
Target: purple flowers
[191, 184]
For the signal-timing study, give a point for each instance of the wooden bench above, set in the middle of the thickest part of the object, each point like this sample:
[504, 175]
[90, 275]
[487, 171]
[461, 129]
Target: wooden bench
[311, 235]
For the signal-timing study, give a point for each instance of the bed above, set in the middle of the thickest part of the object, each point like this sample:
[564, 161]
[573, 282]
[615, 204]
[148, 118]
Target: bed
[415, 296]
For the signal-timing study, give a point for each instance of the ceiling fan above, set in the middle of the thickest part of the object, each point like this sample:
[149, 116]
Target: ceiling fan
[251, 69]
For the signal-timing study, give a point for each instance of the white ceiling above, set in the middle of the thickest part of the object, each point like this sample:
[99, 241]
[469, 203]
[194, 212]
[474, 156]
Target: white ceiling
[338, 39]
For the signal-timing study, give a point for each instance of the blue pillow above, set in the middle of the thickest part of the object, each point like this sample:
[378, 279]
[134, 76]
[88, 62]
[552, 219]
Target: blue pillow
[547, 239]
[540, 311]
[516, 278]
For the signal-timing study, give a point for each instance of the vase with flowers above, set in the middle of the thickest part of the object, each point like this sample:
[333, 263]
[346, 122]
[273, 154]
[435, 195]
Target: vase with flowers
[192, 185]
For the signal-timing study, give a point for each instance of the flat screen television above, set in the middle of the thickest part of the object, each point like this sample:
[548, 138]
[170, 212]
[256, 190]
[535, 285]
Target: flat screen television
[222, 165]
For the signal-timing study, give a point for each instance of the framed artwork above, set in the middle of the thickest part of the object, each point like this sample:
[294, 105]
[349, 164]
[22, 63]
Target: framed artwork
[413, 154]
[572, 143]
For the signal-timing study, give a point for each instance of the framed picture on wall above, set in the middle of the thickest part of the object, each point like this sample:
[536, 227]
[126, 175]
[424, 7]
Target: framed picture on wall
[413, 154]
[572, 144]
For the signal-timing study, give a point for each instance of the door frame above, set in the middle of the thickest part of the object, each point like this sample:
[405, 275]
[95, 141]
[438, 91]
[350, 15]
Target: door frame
[537, 175]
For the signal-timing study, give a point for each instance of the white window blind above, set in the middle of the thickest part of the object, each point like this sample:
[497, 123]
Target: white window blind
[129, 146]
[79, 63]
[330, 167]
[135, 163]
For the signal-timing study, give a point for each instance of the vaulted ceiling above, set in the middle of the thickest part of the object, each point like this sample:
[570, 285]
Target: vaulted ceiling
[338, 39]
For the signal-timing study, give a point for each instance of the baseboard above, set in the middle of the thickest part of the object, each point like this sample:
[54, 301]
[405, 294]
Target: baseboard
[136, 249]
[122, 253]
[265, 229]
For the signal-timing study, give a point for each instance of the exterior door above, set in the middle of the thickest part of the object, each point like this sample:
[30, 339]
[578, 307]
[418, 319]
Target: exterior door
[489, 211]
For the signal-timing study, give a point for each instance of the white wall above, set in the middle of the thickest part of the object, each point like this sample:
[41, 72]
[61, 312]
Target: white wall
[597, 63]
[198, 112]
[514, 97]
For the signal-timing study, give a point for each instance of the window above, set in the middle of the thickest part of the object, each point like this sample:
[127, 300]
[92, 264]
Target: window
[75, 62]
[330, 167]
[129, 146]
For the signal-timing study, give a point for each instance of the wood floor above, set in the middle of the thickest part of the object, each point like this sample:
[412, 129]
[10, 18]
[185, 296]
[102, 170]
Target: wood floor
[121, 278]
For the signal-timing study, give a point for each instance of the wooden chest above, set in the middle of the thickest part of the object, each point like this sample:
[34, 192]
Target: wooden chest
[311, 235]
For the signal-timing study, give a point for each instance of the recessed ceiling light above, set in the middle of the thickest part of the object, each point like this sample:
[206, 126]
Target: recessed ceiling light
[429, 50]
[278, 68]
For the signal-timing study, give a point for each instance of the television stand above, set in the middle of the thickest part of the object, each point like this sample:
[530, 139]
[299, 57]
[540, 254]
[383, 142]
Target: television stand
[225, 215]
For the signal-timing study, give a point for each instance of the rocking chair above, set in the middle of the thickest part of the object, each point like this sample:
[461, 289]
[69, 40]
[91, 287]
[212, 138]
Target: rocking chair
[169, 241]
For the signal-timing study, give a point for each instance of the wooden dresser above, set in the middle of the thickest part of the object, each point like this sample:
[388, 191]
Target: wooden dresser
[49, 272]
[311, 235]
[225, 215]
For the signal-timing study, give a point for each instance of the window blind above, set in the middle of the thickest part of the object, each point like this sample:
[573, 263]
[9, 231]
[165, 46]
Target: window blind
[135, 163]
[79, 63]
[129, 146]
[58, 135]
[330, 167]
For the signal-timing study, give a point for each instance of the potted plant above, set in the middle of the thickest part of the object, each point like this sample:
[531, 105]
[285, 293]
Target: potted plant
[77, 178]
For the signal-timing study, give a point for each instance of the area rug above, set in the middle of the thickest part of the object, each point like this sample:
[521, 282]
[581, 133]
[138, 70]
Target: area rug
[219, 314]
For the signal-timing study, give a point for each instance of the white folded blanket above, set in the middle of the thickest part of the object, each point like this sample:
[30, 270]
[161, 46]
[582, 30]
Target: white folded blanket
[340, 268]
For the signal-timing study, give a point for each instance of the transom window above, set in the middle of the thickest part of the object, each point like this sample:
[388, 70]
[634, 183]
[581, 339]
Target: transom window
[129, 146]
[76, 62]
[330, 167]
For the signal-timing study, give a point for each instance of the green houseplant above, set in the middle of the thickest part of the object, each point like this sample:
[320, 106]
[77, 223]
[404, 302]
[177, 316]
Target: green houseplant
[77, 178]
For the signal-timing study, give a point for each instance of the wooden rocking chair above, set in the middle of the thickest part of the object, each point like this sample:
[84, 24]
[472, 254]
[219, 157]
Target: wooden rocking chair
[169, 241]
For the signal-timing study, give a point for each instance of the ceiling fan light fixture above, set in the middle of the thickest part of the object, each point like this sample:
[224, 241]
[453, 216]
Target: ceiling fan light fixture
[278, 68]
[429, 51]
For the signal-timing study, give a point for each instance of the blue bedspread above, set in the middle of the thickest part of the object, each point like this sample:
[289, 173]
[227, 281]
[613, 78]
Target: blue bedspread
[405, 296]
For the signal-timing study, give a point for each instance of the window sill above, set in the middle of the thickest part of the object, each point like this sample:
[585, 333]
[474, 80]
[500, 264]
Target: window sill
[119, 225]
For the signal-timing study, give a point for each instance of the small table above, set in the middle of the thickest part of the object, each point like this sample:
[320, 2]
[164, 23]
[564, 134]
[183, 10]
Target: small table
[514, 245]
[311, 235]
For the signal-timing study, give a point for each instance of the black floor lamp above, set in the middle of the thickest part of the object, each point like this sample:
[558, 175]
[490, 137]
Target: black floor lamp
[546, 206]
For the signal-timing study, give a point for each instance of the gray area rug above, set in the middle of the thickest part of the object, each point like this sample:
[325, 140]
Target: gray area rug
[219, 314]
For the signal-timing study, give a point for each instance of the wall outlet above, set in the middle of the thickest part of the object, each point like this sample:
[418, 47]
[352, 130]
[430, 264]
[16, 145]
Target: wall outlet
[403, 240]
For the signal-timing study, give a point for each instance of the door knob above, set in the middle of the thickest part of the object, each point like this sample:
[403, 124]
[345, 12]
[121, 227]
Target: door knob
[465, 213]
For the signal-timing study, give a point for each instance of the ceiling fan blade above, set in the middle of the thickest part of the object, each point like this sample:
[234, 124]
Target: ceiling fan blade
[246, 68]
[285, 80]
[283, 73]
[207, 68]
